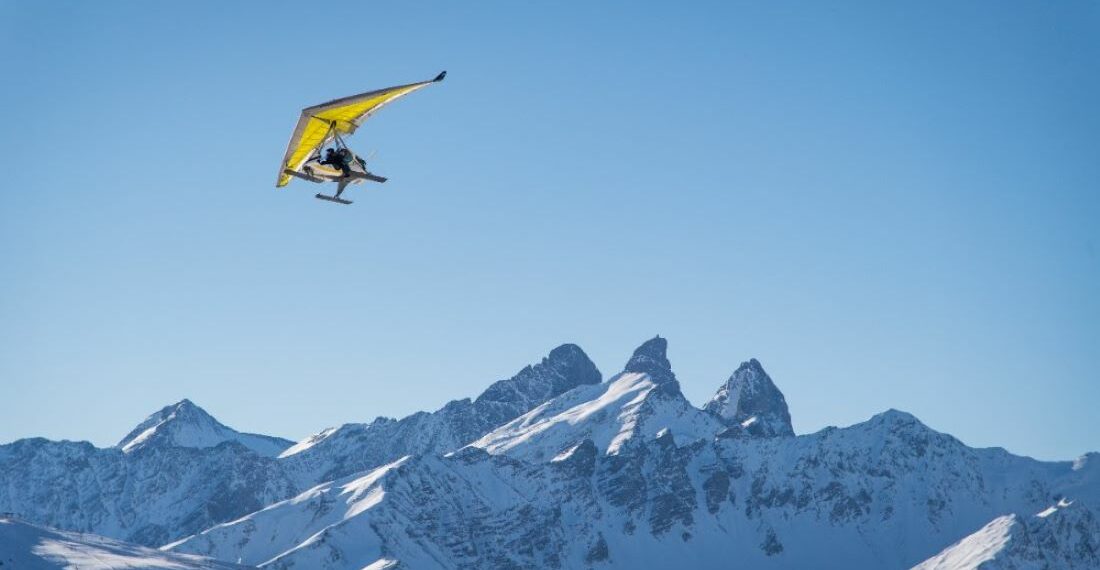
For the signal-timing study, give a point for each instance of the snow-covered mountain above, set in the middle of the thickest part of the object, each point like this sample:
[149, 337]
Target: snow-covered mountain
[181, 471]
[184, 424]
[553, 468]
[629, 474]
[24, 546]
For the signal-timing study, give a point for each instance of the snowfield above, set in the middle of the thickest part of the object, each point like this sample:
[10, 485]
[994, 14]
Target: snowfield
[24, 546]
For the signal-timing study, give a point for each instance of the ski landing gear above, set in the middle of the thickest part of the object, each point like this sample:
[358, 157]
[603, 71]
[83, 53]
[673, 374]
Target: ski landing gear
[333, 199]
[343, 183]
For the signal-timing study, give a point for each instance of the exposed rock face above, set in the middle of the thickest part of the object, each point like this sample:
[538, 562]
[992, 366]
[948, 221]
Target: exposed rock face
[149, 496]
[672, 494]
[750, 403]
[650, 358]
[578, 462]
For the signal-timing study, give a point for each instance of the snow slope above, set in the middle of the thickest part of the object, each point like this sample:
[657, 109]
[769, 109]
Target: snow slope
[974, 550]
[300, 523]
[24, 546]
[1061, 537]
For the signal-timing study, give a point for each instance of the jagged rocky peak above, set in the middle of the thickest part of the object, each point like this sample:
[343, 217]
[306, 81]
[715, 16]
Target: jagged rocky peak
[185, 424]
[651, 358]
[751, 403]
[565, 368]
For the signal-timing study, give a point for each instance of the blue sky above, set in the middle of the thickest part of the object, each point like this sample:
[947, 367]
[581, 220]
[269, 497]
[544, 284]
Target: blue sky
[888, 204]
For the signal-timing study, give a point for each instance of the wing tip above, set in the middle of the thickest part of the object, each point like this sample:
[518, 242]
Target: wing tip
[440, 77]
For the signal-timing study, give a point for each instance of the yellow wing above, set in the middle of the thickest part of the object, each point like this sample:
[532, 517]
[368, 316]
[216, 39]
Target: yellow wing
[316, 125]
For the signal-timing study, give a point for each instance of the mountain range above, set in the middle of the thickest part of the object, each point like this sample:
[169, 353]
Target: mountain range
[558, 468]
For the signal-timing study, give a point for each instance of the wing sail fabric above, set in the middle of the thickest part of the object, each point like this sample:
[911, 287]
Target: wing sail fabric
[315, 126]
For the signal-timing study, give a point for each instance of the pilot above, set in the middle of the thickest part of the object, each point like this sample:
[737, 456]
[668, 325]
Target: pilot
[339, 159]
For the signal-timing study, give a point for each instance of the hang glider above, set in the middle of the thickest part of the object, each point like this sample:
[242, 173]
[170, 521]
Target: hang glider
[326, 125]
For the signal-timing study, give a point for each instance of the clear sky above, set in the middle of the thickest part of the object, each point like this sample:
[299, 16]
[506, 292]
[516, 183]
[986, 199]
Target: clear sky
[890, 204]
